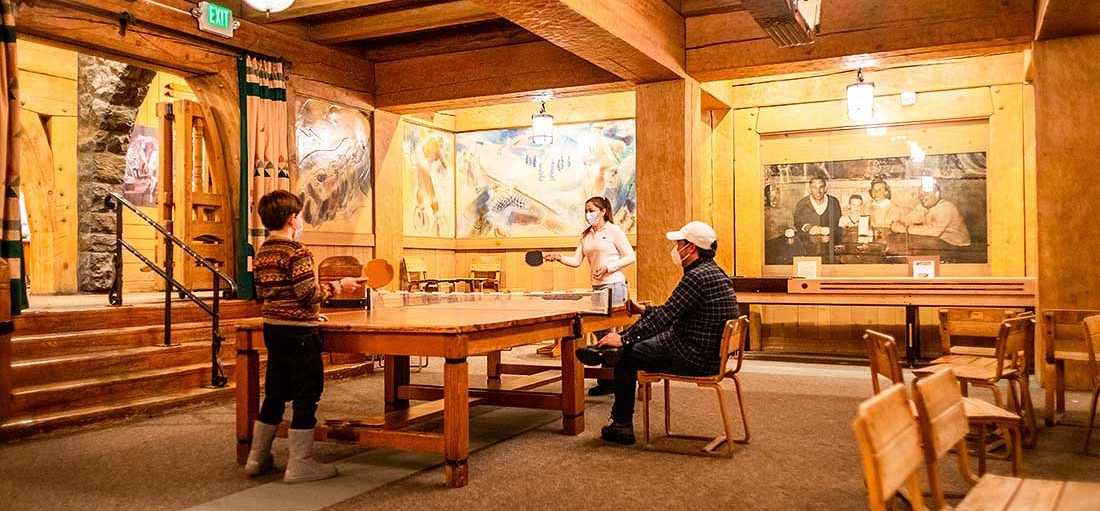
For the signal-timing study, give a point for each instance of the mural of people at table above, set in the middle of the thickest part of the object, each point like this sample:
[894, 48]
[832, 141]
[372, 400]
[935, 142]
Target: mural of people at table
[509, 187]
[901, 216]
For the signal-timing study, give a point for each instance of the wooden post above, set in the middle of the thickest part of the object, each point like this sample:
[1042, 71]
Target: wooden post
[5, 343]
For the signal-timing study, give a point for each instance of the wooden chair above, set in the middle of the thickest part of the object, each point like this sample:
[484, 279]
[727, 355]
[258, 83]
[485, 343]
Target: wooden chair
[882, 351]
[1092, 344]
[415, 272]
[1008, 364]
[1063, 340]
[890, 447]
[732, 347]
[487, 268]
[972, 331]
[943, 425]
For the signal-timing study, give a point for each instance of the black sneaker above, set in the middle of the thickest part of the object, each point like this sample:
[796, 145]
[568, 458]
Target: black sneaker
[590, 356]
[602, 388]
[619, 433]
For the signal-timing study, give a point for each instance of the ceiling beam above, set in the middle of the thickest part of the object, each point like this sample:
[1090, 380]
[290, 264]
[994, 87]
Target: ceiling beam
[701, 7]
[399, 22]
[1065, 18]
[890, 32]
[484, 35]
[487, 76]
[637, 40]
[303, 8]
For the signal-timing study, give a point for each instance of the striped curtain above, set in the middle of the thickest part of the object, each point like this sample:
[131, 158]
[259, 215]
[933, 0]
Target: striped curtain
[264, 114]
[11, 246]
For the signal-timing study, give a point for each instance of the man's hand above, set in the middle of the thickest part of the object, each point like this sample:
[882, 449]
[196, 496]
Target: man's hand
[633, 307]
[612, 339]
[899, 227]
[815, 230]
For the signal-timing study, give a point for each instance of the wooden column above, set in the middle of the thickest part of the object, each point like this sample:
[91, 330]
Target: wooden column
[389, 231]
[669, 177]
[720, 206]
[1066, 106]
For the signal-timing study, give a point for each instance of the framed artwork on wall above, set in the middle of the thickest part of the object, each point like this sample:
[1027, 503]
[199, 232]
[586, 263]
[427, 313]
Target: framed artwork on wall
[429, 175]
[334, 177]
[508, 187]
[877, 210]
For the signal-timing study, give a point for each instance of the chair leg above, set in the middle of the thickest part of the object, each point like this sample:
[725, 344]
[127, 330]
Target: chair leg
[668, 411]
[1020, 392]
[1017, 448]
[741, 406]
[727, 425]
[647, 390]
[1092, 417]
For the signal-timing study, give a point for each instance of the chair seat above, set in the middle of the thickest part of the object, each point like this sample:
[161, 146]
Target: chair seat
[977, 409]
[654, 377]
[1071, 355]
[968, 367]
[976, 351]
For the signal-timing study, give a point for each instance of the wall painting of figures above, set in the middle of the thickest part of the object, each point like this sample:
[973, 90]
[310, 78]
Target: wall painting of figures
[508, 187]
[334, 167]
[429, 205]
[877, 210]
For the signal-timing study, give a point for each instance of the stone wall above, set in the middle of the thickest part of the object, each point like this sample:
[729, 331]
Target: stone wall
[108, 97]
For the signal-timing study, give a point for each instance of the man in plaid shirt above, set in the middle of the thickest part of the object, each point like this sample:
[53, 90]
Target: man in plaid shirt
[682, 336]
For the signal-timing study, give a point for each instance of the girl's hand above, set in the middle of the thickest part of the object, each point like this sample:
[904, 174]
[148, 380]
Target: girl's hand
[551, 257]
[599, 272]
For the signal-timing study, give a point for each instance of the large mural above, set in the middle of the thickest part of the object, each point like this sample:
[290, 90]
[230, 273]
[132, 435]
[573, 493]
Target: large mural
[429, 181]
[508, 187]
[877, 211]
[334, 167]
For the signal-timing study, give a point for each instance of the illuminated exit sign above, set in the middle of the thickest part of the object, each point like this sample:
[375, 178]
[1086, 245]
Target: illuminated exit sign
[216, 19]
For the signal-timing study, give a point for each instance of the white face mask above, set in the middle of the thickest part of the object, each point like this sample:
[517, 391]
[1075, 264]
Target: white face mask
[675, 256]
[299, 226]
[592, 217]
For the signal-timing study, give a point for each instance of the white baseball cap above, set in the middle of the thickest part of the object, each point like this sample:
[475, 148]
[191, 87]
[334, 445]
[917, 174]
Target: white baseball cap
[698, 233]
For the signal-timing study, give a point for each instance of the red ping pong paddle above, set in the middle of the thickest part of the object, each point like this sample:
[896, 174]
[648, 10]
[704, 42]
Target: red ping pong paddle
[376, 273]
[533, 258]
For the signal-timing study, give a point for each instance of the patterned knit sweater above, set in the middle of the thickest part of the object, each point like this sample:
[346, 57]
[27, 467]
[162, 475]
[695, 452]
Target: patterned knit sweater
[286, 285]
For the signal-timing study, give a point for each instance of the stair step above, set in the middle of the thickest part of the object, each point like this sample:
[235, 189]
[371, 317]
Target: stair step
[107, 317]
[39, 421]
[38, 371]
[55, 397]
[109, 340]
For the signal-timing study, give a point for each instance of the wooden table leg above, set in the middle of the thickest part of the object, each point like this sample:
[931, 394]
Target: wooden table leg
[248, 389]
[1048, 393]
[492, 366]
[572, 388]
[456, 422]
[396, 374]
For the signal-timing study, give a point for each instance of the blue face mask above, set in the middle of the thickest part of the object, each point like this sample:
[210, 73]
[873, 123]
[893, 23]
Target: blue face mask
[592, 217]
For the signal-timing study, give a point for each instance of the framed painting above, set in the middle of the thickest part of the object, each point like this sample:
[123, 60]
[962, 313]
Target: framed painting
[429, 177]
[335, 171]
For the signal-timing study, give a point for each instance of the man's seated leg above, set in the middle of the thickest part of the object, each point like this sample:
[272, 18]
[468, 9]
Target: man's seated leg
[642, 355]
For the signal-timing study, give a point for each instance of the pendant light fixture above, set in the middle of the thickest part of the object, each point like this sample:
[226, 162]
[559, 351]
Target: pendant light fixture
[861, 99]
[542, 127]
[269, 6]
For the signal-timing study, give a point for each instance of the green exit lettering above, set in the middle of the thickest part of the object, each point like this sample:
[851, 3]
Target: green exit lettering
[219, 16]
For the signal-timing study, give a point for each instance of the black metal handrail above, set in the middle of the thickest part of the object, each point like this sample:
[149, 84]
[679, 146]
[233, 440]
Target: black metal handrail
[112, 201]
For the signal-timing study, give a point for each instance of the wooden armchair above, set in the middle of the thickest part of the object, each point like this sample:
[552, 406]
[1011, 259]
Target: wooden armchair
[1092, 344]
[732, 347]
[890, 447]
[1063, 340]
[1009, 364]
[882, 351]
[487, 268]
[972, 331]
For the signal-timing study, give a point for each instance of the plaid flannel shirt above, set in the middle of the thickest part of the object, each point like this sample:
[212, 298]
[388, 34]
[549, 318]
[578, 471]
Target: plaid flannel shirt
[689, 325]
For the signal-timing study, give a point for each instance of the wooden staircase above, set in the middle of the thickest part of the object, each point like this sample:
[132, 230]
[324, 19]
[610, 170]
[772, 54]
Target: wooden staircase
[77, 367]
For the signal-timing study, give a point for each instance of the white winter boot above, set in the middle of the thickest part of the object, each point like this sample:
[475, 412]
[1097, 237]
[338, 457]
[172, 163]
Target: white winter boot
[259, 458]
[301, 466]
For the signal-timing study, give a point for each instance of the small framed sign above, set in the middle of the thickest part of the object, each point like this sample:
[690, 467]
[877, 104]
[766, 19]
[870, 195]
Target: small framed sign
[807, 267]
[924, 267]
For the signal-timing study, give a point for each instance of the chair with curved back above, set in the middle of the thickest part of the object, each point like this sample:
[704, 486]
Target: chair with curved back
[890, 447]
[732, 347]
[882, 352]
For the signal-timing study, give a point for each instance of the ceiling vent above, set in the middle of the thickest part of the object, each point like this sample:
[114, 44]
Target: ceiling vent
[788, 22]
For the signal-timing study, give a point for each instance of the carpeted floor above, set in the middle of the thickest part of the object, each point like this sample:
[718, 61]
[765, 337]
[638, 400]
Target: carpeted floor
[802, 456]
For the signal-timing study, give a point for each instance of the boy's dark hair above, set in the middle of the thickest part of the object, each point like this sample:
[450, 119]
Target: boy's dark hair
[276, 208]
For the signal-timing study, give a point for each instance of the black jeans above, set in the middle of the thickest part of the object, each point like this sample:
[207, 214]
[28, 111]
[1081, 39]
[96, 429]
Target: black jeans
[644, 355]
[295, 372]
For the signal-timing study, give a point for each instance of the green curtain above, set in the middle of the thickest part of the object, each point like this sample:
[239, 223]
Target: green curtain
[11, 246]
[264, 156]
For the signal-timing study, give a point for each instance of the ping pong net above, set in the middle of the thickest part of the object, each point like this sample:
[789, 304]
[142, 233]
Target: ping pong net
[581, 302]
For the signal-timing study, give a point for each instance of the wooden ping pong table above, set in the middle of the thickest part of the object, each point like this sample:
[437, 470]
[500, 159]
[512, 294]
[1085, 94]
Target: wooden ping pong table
[454, 332]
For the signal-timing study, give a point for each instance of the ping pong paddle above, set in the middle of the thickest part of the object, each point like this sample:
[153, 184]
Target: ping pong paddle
[377, 273]
[533, 258]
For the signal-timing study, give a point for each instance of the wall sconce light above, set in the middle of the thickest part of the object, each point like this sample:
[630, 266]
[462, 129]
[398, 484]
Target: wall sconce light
[542, 127]
[861, 99]
[269, 6]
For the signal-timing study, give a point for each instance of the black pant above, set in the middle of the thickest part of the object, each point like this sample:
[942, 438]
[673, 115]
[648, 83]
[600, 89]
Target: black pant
[644, 355]
[295, 372]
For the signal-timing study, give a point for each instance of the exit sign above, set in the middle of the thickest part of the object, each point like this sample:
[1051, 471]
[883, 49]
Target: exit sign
[216, 19]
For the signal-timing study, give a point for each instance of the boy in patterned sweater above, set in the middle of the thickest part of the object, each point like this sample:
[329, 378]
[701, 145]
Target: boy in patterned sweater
[291, 299]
